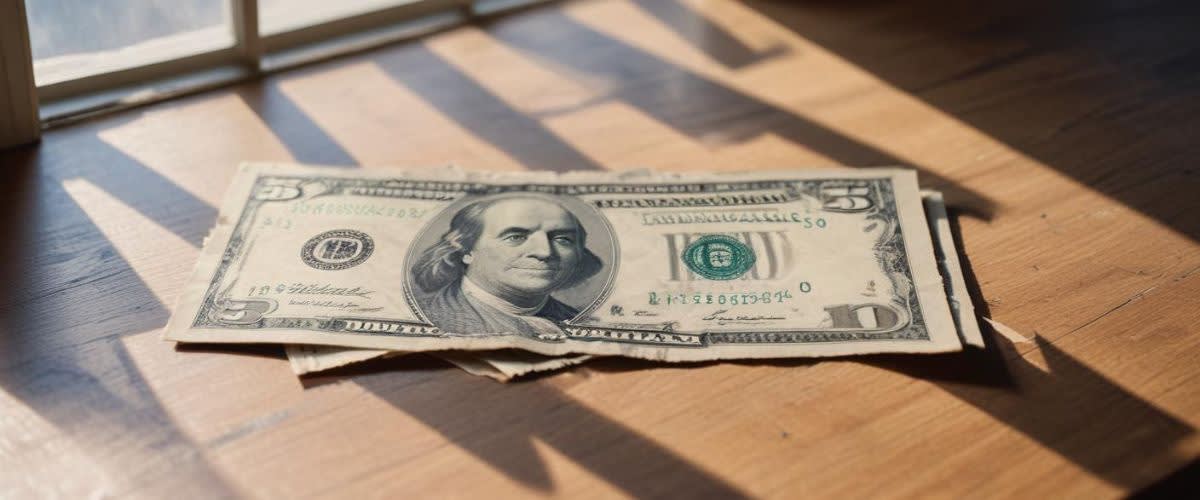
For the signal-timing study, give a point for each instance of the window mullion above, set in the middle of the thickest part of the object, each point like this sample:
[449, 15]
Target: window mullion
[244, 14]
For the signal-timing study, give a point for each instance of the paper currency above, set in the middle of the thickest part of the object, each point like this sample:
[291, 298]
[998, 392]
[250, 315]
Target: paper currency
[308, 359]
[669, 267]
[316, 358]
[500, 365]
[505, 365]
[952, 275]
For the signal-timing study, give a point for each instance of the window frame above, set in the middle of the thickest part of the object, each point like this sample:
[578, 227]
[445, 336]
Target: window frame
[34, 108]
[19, 122]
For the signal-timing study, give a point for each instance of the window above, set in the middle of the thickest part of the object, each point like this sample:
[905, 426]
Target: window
[71, 39]
[78, 57]
[277, 16]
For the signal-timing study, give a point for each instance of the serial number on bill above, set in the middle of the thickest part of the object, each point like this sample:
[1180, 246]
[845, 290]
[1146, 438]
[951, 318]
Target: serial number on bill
[722, 298]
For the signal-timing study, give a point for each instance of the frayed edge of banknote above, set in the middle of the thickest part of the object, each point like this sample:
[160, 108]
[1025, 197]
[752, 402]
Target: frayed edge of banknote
[499, 365]
[507, 365]
[961, 307]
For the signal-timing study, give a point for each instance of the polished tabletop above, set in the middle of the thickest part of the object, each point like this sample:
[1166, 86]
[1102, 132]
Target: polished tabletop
[1064, 135]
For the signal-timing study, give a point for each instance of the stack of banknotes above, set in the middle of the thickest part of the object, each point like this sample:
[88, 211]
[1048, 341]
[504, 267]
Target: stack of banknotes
[504, 273]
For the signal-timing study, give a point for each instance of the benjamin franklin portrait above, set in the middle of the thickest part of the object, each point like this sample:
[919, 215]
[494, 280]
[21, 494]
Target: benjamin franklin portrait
[498, 266]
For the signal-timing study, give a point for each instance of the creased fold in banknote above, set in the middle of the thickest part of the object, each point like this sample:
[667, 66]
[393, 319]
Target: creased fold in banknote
[500, 365]
[669, 267]
[507, 364]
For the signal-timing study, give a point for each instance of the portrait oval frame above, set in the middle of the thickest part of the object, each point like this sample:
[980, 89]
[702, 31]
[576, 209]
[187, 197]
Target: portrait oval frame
[601, 241]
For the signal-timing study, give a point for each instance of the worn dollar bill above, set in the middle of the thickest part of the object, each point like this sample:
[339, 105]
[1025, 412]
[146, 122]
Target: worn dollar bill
[952, 275]
[499, 365]
[669, 267]
[309, 359]
[315, 358]
[508, 364]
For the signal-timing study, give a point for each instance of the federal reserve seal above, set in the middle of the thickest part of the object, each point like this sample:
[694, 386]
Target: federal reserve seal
[337, 250]
[718, 257]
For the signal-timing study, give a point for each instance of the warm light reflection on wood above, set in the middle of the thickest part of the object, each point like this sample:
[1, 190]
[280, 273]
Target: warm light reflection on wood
[40, 461]
[127, 230]
[190, 143]
[382, 123]
[523, 83]
[649, 143]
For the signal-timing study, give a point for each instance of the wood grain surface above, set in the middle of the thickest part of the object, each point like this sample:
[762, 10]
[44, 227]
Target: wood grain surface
[1064, 134]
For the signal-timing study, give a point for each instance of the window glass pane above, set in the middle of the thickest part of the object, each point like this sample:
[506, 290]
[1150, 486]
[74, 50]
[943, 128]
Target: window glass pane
[76, 38]
[276, 16]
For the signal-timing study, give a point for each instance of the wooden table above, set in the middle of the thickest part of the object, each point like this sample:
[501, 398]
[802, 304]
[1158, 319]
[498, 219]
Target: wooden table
[1065, 138]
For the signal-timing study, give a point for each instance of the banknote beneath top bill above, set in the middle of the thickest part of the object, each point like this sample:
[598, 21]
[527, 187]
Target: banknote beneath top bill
[660, 266]
[500, 365]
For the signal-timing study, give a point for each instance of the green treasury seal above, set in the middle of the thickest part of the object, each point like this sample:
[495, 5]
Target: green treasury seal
[718, 257]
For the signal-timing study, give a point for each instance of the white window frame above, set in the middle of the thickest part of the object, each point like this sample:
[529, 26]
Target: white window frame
[25, 109]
